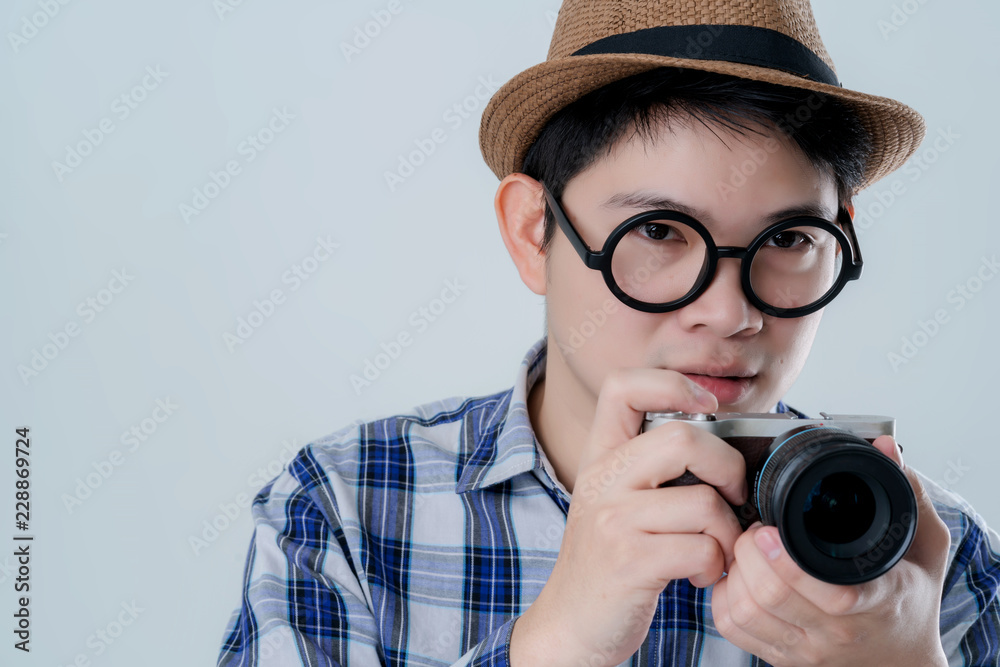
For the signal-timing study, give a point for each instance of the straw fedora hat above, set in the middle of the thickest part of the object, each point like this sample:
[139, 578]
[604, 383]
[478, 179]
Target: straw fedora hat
[597, 42]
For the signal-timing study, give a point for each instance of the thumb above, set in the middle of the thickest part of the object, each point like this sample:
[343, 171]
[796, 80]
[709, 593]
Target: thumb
[888, 446]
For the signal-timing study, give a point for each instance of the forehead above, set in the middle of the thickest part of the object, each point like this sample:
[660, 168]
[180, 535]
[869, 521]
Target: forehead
[724, 178]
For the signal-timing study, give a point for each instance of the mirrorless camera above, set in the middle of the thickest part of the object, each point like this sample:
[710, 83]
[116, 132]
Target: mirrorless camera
[845, 511]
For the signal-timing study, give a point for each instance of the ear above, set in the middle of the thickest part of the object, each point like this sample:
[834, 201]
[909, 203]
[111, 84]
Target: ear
[521, 216]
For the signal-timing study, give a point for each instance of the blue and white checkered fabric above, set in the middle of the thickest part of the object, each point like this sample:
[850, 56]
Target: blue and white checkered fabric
[418, 540]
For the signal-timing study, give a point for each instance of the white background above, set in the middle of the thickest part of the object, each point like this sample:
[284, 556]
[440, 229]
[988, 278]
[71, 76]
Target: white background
[242, 411]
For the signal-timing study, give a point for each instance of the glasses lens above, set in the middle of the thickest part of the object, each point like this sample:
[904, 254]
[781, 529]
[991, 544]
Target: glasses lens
[659, 261]
[796, 267]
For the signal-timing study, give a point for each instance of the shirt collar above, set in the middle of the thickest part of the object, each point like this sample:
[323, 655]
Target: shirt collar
[504, 440]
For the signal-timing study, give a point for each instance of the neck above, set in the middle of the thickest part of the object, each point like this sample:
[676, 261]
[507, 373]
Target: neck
[561, 412]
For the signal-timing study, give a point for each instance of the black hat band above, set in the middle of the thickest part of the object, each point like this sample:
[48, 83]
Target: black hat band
[744, 44]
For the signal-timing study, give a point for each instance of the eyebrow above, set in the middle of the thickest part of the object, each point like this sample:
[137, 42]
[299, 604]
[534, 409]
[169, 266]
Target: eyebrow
[651, 201]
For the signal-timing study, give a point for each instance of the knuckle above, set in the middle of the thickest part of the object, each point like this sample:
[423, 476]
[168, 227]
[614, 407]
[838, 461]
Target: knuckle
[707, 553]
[615, 385]
[743, 612]
[607, 519]
[724, 622]
[677, 431]
[772, 594]
[788, 641]
[845, 601]
[678, 440]
[707, 500]
[776, 653]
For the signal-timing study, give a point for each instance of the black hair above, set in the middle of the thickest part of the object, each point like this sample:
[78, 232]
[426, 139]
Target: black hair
[827, 130]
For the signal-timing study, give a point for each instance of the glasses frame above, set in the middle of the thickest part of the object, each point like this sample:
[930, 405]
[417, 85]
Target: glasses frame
[851, 260]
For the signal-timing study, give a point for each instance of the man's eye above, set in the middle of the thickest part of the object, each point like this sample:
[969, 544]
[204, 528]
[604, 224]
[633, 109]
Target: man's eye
[789, 239]
[656, 231]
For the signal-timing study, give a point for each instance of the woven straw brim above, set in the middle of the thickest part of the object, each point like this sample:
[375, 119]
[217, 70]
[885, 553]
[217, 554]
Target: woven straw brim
[519, 110]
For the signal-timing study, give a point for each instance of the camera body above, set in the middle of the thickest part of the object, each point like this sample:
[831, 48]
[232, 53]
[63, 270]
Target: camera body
[846, 512]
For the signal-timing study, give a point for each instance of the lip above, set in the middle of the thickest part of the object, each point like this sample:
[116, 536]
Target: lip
[728, 389]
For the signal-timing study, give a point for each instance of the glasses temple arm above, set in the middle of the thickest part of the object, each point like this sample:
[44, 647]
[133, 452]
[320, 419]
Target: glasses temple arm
[858, 262]
[590, 258]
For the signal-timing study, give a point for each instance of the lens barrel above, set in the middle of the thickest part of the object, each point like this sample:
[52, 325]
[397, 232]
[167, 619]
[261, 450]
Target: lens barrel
[846, 512]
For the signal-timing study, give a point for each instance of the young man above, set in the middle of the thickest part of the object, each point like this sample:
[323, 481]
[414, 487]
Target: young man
[529, 527]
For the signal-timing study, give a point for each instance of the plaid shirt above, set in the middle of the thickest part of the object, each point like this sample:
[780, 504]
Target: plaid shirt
[419, 539]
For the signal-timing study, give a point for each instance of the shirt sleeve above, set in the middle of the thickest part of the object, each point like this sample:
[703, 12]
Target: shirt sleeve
[303, 599]
[970, 607]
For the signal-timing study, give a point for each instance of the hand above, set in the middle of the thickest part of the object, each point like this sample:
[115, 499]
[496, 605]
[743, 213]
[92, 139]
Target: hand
[768, 606]
[626, 538]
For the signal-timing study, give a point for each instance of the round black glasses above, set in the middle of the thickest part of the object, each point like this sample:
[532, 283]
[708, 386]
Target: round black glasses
[658, 261]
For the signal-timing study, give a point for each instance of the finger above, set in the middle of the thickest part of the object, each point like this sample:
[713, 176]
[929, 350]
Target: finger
[668, 451]
[697, 558]
[771, 638]
[627, 394]
[684, 509]
[771, 577]
[888, 446]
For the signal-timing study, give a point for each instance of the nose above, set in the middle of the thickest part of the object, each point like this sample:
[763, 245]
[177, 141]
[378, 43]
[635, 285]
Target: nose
[723, 308]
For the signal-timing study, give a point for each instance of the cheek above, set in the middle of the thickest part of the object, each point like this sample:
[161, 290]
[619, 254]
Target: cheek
[584, 316]
[792, 341]
[571, 288]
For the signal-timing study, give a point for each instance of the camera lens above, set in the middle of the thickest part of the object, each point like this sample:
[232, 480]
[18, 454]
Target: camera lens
[839, 509]
[845, 511]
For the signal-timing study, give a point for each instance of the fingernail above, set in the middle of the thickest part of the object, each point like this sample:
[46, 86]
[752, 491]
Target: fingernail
[704, 396]
[768, 543]
[900, 447]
